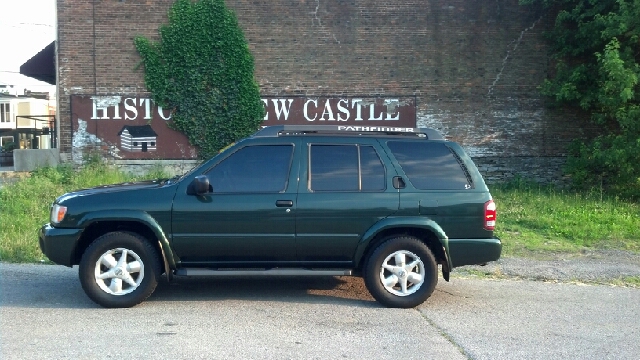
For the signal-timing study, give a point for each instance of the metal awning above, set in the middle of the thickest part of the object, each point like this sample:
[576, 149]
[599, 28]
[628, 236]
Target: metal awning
[42, 66]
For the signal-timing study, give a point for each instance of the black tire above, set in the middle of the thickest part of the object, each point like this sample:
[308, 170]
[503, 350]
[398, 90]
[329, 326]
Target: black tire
[116, 290]
[413, 251]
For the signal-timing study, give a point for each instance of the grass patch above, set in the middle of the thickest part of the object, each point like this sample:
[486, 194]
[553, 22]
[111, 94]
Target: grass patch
[489, 273]
[24, 205]
[533, 220]
[538, 218]
[633, 281]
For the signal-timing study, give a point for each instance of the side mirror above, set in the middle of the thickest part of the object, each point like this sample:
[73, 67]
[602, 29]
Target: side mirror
[199, 186]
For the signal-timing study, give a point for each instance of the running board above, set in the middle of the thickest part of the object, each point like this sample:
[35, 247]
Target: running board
[258, 272]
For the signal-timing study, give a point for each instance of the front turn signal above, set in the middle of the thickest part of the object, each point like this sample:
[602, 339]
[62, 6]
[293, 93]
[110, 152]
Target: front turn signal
[57, 213]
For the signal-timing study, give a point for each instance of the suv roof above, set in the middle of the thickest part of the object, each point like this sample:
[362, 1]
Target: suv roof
[283, 130]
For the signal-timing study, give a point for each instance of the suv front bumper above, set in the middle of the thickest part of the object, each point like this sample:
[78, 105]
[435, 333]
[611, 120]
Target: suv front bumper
[474, 251]
[59, 244]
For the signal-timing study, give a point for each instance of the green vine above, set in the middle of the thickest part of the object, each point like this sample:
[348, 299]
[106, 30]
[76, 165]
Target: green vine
[595, 47]
[202, 69]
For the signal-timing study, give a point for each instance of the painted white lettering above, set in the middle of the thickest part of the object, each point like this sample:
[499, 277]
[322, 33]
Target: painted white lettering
[357, 103]
[343, 110]
[306, 109]
[265, 103]
[282, 110]
[327, 111]
[161, 113]
[130, 107]
[394, 108]
[116, 112]
[96, 109]
[147, 108]
[372, 116]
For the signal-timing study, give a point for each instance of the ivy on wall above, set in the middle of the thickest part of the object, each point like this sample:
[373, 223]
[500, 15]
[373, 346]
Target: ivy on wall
[202, 69]
[595, 47]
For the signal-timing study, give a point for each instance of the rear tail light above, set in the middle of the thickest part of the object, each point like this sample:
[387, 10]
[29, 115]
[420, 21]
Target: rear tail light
[489, 215]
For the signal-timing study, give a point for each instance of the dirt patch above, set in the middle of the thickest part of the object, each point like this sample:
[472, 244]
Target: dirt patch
[10, 177]
[614, 267]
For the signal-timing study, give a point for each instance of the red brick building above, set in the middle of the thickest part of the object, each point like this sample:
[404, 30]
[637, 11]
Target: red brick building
[472, 66]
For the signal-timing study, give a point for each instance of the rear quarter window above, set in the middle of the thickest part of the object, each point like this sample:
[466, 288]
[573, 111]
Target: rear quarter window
[430, 165]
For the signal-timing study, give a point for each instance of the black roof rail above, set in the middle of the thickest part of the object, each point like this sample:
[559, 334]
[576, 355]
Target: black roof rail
[279, 130]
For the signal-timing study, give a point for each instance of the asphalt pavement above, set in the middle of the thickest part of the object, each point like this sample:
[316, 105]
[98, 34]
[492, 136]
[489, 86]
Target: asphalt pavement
[45, 315]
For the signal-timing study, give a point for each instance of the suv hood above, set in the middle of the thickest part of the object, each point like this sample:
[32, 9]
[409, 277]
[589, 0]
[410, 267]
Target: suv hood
[114, 188]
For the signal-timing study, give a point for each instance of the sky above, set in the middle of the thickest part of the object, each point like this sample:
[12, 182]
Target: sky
[27, 26]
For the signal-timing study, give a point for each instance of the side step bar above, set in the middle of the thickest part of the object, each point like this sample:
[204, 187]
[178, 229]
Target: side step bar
[261, 272]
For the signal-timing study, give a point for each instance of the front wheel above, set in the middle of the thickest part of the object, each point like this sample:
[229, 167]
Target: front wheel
[401, 272]
[119, 270]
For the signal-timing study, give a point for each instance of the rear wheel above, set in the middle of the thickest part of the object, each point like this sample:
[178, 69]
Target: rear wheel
[119, 270]
[401, 272]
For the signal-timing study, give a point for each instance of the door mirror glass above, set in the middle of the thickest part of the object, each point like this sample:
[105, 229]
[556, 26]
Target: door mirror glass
[199, 186]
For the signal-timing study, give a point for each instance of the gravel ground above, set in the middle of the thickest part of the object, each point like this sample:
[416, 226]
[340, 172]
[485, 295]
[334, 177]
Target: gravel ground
[591, 266]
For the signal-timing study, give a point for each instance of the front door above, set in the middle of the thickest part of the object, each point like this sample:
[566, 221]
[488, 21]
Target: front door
[249, 215]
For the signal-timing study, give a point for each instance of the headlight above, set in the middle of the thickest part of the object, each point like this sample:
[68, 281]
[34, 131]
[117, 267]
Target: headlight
[57, 213]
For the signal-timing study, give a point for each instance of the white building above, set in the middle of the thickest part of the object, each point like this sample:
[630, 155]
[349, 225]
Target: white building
[26, 120]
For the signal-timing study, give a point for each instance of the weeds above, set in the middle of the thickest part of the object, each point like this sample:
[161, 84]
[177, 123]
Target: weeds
[533, 217]
[24, 205]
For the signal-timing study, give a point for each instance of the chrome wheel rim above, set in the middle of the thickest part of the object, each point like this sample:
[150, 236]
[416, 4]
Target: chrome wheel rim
[402, 273]
[119, 271]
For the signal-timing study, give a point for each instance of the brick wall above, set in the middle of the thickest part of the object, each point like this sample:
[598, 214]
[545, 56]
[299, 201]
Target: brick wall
[474, 65]
[104, 28]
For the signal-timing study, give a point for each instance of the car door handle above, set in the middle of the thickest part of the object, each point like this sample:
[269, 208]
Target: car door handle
[398, 182]
[284, 203]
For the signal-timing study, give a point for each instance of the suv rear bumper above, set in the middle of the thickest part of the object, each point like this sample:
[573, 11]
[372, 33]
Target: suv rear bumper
[59, 244]
[474, 251]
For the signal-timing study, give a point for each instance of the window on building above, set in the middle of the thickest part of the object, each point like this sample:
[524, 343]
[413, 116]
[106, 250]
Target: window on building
[6, 141]
[345, 168]
[253, 169]
[5, 113]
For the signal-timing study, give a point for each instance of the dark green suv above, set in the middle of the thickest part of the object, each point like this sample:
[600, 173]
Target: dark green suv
[388, 204]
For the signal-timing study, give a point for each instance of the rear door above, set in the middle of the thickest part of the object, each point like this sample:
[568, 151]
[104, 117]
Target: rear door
[344, 189]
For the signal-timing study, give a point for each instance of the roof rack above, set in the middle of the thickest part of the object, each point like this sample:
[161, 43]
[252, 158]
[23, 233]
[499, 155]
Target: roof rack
[281, 130]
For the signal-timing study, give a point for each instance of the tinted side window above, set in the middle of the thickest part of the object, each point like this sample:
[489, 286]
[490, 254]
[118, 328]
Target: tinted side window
[429, 166]
[334, 167]
[260, 168]
[372, 169]
[345, 168]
